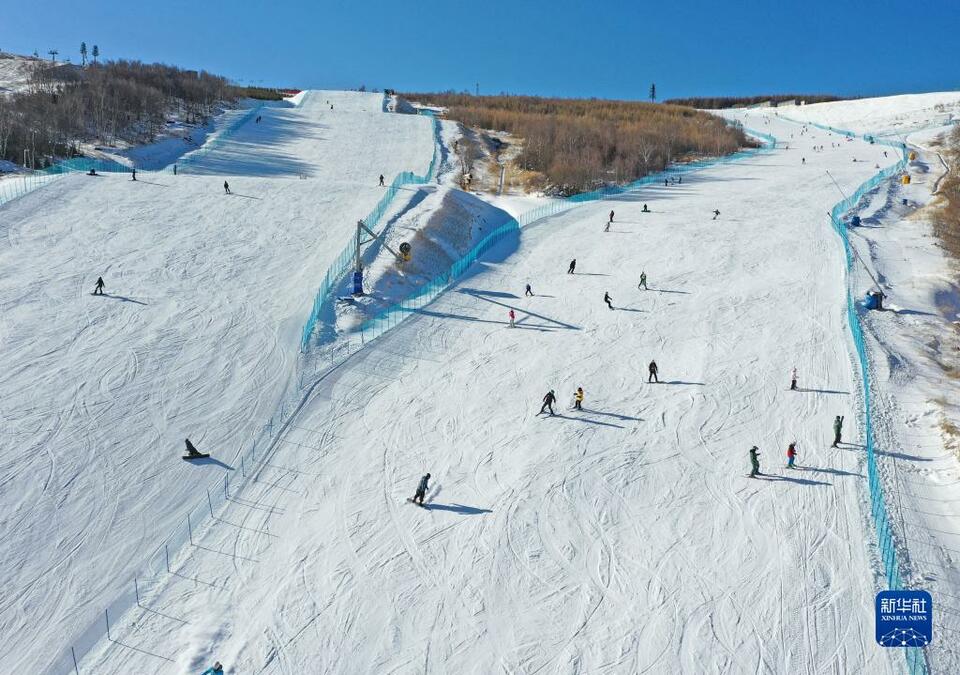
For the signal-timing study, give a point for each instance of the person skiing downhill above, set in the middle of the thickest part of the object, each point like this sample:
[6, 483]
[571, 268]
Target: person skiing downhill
[512, 317]
[217, 669]
[793, 380]
[754, 462]
[134, 175]
[421, 489]
[548, 400]
[653, 370]
[573, 266]
[607, 299]
[578, 399]
[837, 430]
[606, 228]
[611, 215]
[226, 188]
[643, 281]
[529, 291]
[791, 454]
[192, 451]
[99, 289]
[716, 213]
[381, 180]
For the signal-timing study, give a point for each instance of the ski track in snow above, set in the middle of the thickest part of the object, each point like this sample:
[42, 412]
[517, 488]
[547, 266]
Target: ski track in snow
[197, 338]
[623, 538]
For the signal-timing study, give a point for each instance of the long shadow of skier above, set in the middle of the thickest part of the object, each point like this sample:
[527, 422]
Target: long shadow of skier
[493, 294]
[120, 298]
[835, 472]
[789, 479]
[822, 391]
[211, 460]
[478, 296]
[457, 508]
[586, 421]
[625, 418]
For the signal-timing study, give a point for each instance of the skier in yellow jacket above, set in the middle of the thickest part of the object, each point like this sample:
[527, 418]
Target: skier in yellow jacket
[578, 399]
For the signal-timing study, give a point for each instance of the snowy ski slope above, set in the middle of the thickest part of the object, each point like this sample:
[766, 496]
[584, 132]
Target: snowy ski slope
[623, 538]
[197, 338]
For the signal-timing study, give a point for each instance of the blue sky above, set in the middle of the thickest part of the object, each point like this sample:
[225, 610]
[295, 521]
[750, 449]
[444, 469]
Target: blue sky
[562, 48]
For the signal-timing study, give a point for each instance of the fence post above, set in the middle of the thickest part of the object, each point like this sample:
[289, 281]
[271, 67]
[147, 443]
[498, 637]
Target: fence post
[226, 495]
[189, 528]
[75, 666]
[166, 554]
[106, 613]
[136, 590]
[243, 469]
[210, 502]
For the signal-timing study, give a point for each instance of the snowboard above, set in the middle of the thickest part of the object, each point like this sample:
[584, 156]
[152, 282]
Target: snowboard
[200, 456]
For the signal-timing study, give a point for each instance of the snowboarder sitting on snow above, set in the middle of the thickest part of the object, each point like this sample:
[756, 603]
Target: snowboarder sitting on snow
[226, 187]
[791, 454]
[652, 369]
[573, 266]
[529, 290]
[92, 172]
[643, 281]
[99, 289]
[645, 209]
[216, 670]
[754, 461]
[422, 490]
[837, 430]
[716, 213]
[548, 400]
[192, 451]
[381, 180]
[607, 299]
[578, 399]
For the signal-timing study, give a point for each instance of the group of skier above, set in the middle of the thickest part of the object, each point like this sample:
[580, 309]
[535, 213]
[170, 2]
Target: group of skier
[792, 447]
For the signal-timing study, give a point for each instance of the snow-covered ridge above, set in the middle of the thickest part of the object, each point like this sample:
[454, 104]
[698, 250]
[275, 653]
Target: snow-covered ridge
[879, 116]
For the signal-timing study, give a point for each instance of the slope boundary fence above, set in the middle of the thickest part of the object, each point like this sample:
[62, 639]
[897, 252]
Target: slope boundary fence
[886, 541]
[341, 264]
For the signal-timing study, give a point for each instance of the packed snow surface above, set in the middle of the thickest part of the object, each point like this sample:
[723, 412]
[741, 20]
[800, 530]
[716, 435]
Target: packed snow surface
[884, 115]
[196, 337]
[623, 538]
[626, 536]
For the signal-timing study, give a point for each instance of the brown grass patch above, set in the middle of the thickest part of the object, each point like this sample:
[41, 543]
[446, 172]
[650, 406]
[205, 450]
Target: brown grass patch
[581, 144]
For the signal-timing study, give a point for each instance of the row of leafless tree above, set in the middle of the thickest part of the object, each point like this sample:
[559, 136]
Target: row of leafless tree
[720, 102]
[580, 144]
[947, 218]
[118, 100]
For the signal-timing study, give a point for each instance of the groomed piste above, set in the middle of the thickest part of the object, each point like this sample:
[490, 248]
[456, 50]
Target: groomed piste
[624, 537]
